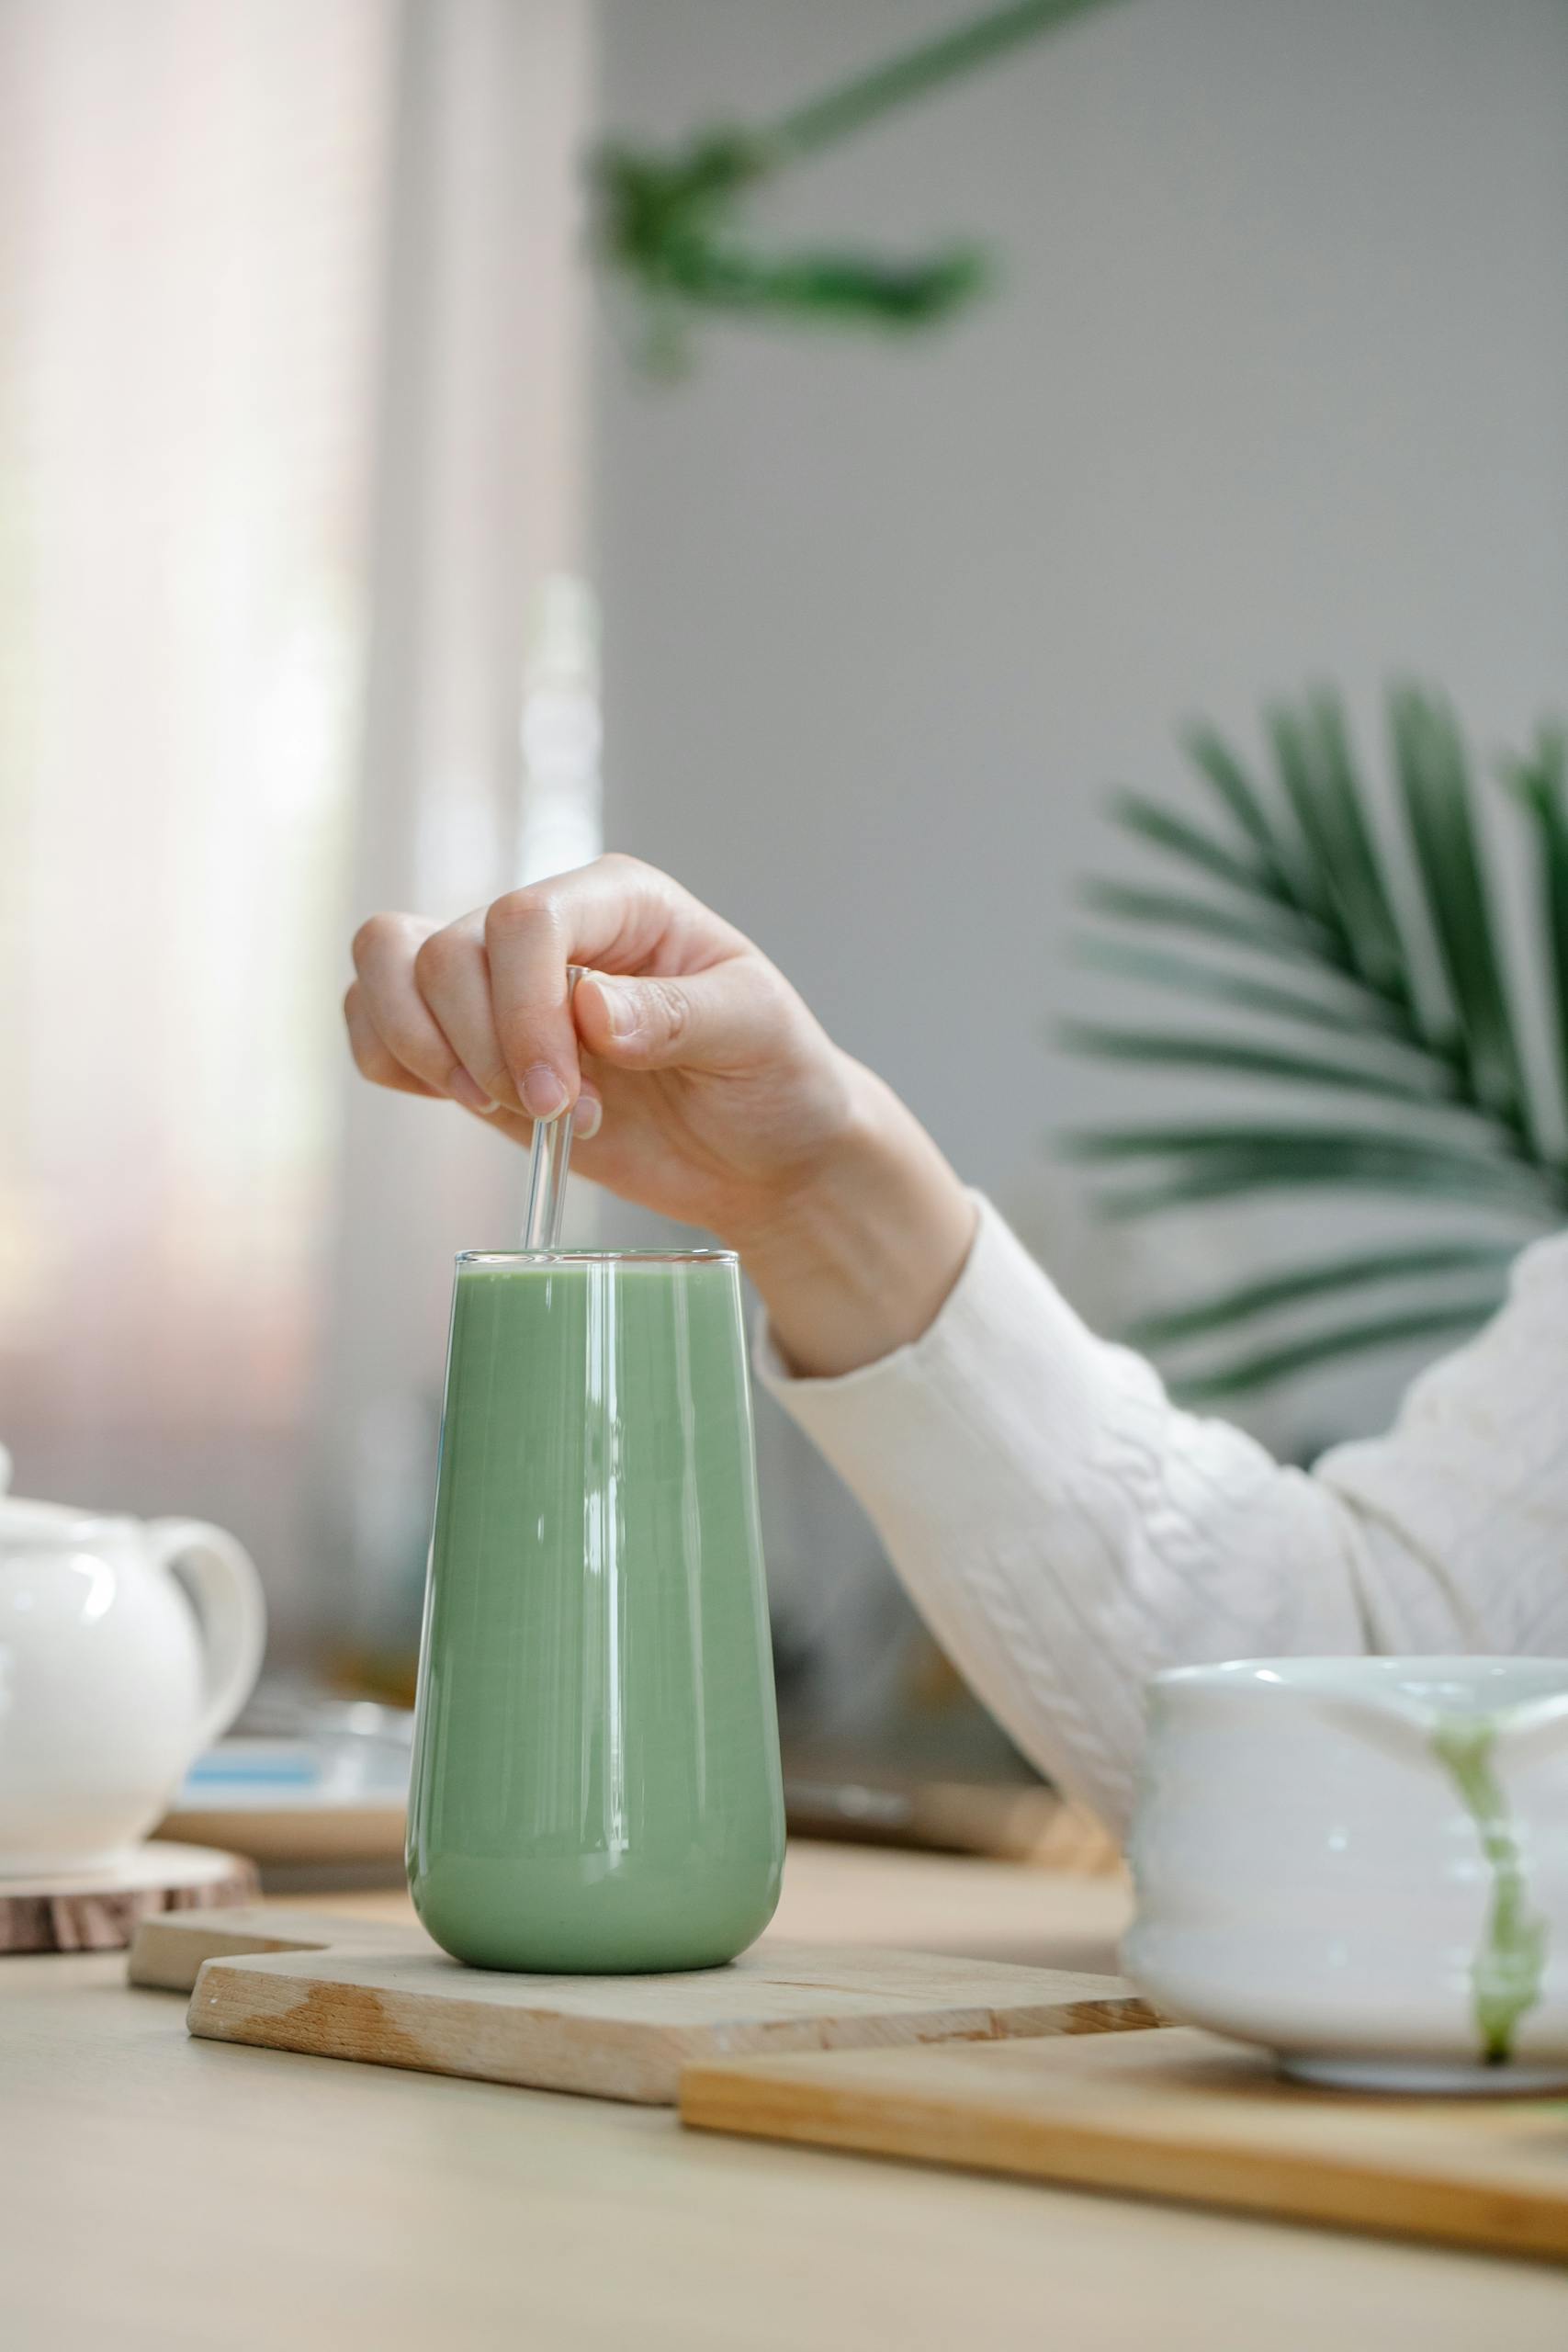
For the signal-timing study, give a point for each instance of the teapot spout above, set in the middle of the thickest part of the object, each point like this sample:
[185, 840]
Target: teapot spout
[1405, 1726]
[1537, 1728]
[1407, 1707]
[1398, 1725]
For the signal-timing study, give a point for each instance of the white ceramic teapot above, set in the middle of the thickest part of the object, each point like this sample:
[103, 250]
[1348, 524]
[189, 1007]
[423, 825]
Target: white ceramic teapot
[1363, 1864]
[111, 1678]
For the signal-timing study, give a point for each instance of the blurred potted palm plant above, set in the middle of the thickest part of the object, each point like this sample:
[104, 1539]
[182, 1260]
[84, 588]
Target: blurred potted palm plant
[1366, 984]
[671, 224]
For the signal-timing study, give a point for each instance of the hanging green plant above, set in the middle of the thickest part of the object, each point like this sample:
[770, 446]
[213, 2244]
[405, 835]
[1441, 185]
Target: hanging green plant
[1395, 963]
[673, 227]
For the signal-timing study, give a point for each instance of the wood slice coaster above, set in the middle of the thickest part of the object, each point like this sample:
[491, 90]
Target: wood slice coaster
[628, 2037]
[100, 1911]
[1179, 2114]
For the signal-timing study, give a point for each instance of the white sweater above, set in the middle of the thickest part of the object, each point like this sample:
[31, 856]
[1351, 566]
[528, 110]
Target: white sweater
[1066, 1532]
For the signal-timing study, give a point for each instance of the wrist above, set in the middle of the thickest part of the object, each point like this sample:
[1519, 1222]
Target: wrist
[857, 1256]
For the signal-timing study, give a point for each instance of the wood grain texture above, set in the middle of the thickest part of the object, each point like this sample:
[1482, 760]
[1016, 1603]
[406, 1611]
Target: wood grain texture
[1009, 1822]
[314, 1833]
[1177, 2114]
[101, 1911]
[167, 1951]
[967, 1907]
[1015, 1822]
[244, 2201]
[628, 2037]
[970, 1909]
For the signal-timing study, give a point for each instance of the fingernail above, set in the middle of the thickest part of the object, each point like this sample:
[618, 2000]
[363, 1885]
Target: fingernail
[462, 1088]
[587, 1113]
[543, 1096]
[620, 1007]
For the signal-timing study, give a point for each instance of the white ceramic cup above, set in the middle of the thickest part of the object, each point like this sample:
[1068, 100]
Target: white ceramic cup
[1361, 1863]
[114, 1672]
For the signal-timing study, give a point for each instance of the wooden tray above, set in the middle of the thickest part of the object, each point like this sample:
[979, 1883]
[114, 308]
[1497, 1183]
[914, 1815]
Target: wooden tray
[1008, 1821]
[361, 1832]
[403, 2004]
[1178, 2114]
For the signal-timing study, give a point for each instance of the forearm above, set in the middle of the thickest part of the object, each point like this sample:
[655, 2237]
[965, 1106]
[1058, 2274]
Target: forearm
[1065, 1530]
[857, 1259]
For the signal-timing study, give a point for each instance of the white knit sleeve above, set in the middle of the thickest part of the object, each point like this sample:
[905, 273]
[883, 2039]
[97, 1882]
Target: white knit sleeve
[1066, 1532]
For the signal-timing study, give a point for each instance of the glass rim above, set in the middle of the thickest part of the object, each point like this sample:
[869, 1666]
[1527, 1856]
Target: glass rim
[596, 1258]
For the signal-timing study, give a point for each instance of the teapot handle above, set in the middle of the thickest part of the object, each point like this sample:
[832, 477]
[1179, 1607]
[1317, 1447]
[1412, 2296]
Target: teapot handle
[230, 1611]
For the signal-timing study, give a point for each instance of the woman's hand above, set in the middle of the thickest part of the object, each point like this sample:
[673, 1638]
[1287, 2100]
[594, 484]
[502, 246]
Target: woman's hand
[698, 1082]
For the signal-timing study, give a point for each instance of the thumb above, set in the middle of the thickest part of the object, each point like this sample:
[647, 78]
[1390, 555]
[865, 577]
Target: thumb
[715, 1019]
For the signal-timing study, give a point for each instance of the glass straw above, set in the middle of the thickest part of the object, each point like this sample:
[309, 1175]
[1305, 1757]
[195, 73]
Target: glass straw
[548, 1162]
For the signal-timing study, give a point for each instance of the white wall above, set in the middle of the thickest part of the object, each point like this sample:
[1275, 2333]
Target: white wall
[1277, 387]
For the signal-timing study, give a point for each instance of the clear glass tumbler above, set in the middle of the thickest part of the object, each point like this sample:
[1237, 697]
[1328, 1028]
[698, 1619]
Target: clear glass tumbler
[596, 1784]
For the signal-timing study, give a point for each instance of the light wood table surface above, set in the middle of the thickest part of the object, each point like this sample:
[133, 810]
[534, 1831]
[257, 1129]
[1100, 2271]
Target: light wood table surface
[163, 2193]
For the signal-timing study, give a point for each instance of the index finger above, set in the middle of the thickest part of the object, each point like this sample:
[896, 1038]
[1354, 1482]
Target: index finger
[615, 914]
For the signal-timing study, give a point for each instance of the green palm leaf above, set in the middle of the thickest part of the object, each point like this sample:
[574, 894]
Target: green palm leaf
[1202, 1141]
[1167, 831]
[1364, 1270]
[1540, 782]
[1164, 1049]
[1286, 737]
[1222, 984]
[1270, 1365]
[1279, 934]
[1433, 770]
[1304, 880]
[1222, 1163]
[1212, 757]
[1318, 772]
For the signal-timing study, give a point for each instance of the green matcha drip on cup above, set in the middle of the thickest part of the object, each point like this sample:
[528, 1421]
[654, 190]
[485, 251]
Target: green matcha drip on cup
[1506, 1974]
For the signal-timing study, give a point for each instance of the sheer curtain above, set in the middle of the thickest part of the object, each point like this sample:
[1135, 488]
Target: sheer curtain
[479, 504]
[271, 499]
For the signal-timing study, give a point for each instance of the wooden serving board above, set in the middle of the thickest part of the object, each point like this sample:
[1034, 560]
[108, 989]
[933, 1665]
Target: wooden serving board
[1178, 2114]
[167, 1951]
[628, 2037]
[100, 1911]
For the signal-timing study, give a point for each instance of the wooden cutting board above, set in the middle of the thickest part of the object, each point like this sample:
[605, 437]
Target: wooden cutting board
[1178, 2114]
[628, 2037]
[167, 1952]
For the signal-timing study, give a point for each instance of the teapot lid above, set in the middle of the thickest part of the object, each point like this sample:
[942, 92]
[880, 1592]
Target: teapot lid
[20, 1516]
[23, 1519]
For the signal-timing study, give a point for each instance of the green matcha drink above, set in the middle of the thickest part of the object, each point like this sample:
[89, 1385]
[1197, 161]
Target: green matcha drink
[596, 1773]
